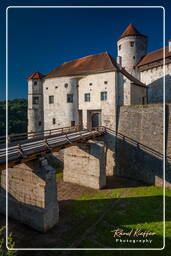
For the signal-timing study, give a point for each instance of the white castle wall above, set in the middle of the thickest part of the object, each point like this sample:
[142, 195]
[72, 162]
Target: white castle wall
[124, 90]
[131, 55]
[35, 111]
[154, 79]
[107, 107]
[61, 110]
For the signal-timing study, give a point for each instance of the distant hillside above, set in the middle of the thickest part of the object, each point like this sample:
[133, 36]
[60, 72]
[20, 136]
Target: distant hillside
[17, 116]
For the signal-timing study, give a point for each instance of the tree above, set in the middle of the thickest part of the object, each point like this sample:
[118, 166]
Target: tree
[17, 116]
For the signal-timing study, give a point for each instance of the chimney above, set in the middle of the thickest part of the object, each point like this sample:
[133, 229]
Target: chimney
[170, 45]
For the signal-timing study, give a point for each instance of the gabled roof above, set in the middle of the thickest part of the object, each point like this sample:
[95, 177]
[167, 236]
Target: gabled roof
[131, 31]
[96, 63]
[89, 64]
[35, 75]
[154, 56]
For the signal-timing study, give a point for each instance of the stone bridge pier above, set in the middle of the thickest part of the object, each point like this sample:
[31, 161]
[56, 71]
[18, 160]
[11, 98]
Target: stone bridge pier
[32, 194]
[85, 164]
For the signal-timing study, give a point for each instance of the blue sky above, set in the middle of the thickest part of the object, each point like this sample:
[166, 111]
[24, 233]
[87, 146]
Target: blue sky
[42, 39]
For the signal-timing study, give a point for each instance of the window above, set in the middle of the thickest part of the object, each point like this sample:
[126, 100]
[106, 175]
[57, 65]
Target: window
[90, 84]
[53, 121]
[66, 85]
[40, 123]
[132, 44]
[87, 97]
[134, 57]
[120, 47]
[70, 98]
[46, 88]
[51, 99]
[35, 100]
[56, 87]
[35, 82]
[105, 82]
[103, 95]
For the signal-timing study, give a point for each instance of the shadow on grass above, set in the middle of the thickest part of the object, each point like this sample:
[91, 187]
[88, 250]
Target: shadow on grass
[121, 182]
[88, 223]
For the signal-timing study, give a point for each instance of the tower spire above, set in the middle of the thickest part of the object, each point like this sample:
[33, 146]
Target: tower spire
[131, 31]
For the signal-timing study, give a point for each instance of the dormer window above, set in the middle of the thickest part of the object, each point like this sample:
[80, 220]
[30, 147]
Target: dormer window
[132, 44]
[35, 82]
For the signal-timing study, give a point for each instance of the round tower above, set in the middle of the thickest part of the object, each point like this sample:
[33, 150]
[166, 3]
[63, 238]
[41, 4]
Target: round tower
[131, 46]
[35, 102]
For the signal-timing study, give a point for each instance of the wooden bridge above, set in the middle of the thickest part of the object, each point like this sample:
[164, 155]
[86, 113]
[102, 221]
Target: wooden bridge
[24, 147]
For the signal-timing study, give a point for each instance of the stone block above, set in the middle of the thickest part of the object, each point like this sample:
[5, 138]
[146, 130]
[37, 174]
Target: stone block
[85, 165]
[32, 195]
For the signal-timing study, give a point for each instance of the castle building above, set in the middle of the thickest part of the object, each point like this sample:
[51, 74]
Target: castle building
[88, 91]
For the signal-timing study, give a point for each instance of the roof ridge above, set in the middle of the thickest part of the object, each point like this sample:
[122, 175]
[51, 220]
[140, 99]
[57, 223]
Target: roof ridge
[94, 62]
[83, 57]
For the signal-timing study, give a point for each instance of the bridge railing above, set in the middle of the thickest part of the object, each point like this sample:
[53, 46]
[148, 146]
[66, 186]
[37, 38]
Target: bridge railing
[41, 134]
[22, 151]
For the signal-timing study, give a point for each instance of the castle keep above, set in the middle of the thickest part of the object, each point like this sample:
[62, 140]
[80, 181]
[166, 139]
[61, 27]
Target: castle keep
[87, 91]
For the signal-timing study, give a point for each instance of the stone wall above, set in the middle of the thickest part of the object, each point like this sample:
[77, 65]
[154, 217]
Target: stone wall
[32, 194]
[85, 164]
[139, 145]
[168, 138]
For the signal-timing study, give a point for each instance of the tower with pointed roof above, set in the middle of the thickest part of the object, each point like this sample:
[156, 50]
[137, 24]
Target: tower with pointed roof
[131, 46]
[35, 102]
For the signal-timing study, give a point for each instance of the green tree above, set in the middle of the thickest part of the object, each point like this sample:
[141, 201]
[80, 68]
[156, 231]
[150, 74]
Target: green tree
[17, 116]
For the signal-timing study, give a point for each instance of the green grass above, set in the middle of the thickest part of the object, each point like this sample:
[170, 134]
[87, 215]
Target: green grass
[95, 216]
[59, 175]
[59, 171]
[92, 217]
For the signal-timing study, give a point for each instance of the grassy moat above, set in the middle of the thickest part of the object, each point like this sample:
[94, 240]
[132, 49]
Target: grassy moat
[88, 221]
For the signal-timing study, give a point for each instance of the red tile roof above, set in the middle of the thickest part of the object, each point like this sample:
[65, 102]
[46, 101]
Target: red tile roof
[91, 64]
[131, 31]
[35, 75]
[154, 56]
[88, 64]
